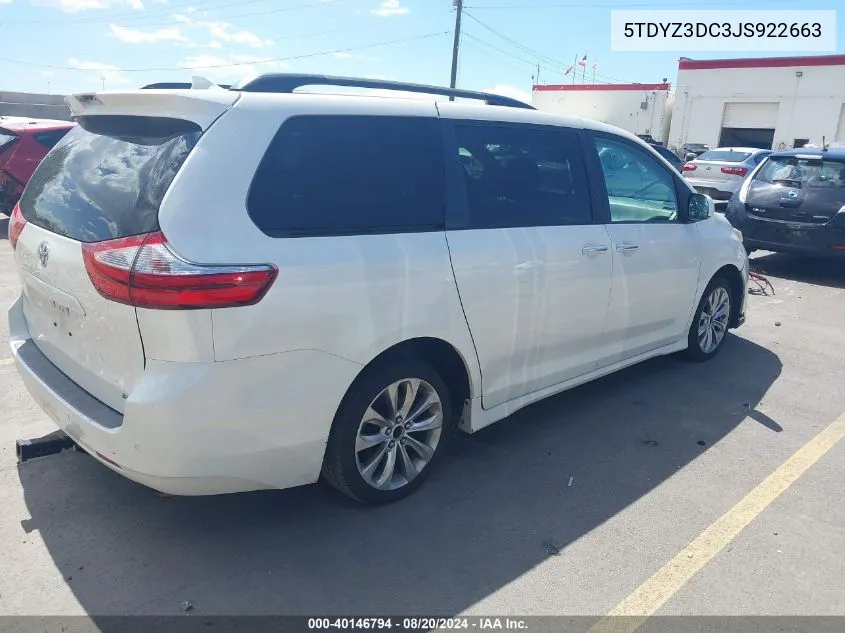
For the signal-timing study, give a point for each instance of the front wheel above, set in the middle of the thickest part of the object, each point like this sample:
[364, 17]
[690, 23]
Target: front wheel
[388, 432]
[710, 324]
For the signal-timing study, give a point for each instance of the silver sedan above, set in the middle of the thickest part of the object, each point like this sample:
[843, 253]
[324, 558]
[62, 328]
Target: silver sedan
[718, 173]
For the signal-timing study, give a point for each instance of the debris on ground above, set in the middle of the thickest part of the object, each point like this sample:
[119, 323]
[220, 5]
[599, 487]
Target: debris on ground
[571, 479]
[777, 323]
[701, 443]
[650, 442]
[551, 548]
[187, 606]
[761, 284]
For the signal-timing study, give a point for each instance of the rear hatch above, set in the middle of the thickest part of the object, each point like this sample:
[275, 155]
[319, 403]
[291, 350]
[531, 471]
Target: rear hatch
[105, 180]
[797, 189]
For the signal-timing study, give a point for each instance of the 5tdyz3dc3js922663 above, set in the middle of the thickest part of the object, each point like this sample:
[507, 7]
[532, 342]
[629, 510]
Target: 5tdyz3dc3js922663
[367, 275]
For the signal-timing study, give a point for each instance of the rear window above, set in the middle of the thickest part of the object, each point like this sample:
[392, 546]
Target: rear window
[325, 175]
[107, 177]
[51, 138]
[807, 173]
[726, 156]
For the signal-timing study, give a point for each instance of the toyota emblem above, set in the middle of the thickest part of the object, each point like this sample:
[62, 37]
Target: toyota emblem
[43, 253]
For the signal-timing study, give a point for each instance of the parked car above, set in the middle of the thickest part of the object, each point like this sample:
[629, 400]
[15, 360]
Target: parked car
[669, 155]
[355, 290]
[794, 202]
[23, 143]
[718, 173]
[696, 149]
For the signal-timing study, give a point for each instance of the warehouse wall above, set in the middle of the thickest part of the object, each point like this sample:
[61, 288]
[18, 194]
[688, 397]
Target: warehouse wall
[617, 105]
[38, 106]
[809, 105]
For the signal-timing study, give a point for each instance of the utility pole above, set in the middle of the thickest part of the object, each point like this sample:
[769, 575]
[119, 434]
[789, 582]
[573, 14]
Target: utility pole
[459, 8]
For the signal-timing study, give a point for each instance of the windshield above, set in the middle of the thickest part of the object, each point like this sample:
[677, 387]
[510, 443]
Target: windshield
[807, 173]
[725, 156]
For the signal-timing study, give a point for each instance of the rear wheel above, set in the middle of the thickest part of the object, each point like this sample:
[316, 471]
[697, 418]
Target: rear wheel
[710, 324]
[388, 432]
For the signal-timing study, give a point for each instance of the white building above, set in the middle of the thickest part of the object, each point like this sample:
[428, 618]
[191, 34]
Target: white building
[771, 103]
[637, 108]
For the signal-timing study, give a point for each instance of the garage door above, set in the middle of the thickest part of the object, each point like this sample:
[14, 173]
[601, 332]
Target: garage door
[840, 129]
[753, 115]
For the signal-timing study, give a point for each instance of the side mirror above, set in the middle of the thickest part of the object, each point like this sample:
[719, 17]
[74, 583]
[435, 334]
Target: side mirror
[700, 207]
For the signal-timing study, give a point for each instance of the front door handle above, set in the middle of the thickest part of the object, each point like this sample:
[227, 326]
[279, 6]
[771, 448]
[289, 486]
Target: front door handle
[627, 247]
[597, 248]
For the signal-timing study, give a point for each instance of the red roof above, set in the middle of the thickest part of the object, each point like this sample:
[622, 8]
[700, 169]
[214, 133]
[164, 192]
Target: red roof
[761, 62]
[585, 87]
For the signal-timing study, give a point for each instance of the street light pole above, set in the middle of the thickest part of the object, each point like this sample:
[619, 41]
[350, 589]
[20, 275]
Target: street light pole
[459, 7]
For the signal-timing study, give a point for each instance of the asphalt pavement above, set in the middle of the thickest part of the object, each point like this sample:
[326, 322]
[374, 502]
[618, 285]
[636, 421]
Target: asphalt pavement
[565, 508]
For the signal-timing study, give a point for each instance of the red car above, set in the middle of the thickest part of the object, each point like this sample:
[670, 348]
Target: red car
[23, 143]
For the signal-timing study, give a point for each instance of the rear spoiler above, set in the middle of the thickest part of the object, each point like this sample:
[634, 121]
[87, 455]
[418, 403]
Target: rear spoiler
[202, 104]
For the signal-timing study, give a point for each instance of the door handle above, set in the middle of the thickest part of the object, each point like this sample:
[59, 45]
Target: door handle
[627, 247]
[598, 248]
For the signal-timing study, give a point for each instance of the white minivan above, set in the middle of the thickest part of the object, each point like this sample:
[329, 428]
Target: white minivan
[237, 289]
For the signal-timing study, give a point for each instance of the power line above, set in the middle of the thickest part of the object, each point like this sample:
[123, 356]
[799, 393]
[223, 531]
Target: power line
[234, 64]
[540, 56]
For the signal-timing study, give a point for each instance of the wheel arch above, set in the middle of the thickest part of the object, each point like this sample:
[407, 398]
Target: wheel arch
[440, 354]
[731, 274]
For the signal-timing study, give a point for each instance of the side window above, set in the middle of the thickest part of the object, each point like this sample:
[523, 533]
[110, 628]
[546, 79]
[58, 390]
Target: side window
[759, 158]
[523, 176]
[324, 175]
[639, 188]
[50, 139]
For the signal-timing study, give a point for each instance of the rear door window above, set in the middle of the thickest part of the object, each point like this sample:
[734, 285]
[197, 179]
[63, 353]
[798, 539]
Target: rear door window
[107, 177]
[340, 175]
[522, 175]
[7, 139]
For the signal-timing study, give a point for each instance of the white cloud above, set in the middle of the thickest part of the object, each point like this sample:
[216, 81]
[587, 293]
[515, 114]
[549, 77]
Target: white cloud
[390, 7]
[74, 6]
[100, 71]
[136, 36]
[5, 1]
[46, 73]
[513, 92]
[222, 31]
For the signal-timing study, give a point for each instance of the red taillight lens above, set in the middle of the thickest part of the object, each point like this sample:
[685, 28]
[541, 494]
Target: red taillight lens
[16, 224]
[734, 171]
[689, 167]
[142, 271]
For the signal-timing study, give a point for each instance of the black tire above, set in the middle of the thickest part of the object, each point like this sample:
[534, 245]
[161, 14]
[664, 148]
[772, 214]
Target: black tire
[694, 349]
[340, 463]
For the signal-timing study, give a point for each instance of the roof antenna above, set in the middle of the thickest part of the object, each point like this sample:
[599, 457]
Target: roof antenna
[825, 146]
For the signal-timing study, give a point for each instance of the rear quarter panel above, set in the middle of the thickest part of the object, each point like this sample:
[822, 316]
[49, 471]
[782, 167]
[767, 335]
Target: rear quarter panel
[351, 296]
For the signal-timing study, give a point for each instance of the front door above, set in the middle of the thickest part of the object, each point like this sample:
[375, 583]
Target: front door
[655, 254]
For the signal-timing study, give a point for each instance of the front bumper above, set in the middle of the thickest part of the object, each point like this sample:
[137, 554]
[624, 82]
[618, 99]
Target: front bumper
[199, 428]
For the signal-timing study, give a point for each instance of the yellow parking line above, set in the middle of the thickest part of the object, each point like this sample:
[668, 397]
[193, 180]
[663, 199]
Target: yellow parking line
[6, 361]
[646, 599]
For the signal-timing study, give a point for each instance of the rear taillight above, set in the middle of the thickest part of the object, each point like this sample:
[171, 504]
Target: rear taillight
[689, 167]
[16, 224]
[734, 171]
[142, 271]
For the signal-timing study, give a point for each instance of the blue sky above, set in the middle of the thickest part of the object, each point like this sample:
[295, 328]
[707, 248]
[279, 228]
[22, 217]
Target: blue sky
[77, 45]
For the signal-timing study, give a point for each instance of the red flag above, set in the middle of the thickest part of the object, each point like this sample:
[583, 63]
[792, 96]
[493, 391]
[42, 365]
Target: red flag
[583, 61]
[594, 65]
[568, 70]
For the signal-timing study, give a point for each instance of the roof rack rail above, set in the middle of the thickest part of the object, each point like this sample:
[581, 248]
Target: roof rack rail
[288, 82]
[174, 85]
